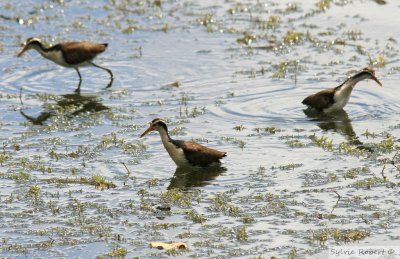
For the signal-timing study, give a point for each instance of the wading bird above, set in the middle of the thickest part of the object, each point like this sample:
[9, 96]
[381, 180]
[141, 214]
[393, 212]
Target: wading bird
[72, 54]
[336, 98]
[185, 153]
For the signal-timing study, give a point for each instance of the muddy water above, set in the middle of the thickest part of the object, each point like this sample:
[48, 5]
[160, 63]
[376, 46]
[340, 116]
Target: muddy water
[242, 69]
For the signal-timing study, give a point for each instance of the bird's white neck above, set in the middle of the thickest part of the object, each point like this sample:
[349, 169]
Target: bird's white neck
[164, 137]
[342, 94]
[42, 50]
[174, 152]
[350, 83]
[53, 55]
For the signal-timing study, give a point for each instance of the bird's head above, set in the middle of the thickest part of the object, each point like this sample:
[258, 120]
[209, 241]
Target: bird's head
[30, 43]
[368, 73]
[156, 125]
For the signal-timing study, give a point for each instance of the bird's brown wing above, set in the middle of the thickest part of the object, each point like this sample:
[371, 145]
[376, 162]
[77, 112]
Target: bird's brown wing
[321, 100]
[77, 52]
[199, 155]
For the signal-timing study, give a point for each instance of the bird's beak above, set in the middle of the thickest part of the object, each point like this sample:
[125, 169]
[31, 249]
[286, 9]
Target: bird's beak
[24, 48]
[376, 80]
[147, 131]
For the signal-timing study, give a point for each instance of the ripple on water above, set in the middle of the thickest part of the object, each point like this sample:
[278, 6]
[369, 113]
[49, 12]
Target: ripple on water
[280, 103]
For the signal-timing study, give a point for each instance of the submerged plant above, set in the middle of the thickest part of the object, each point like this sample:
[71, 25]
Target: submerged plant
[241, 234]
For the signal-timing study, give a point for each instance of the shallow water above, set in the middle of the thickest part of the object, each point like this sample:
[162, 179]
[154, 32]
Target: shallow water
[275, 195]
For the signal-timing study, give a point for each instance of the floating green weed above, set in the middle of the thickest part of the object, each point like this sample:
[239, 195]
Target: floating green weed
[293, 37]
[96, 180]
[386, 145]
[19, 176]
[3, 158]
[270, 24]
[354, 172]
[175, 196]
[288, 167]
[247, 39]
[152, 182]
[371, 182]
[239, 142]
[285, 67]
[341, 236]
[118, 252]
[323, 141]
[248, 220]
[354, 35]
[381, 61]
[164, 226]
[348, 149]
[239, 128]
[323, 5]
[34, 191]
[241, 234]
[195, 216]
[295, 143]
[270, 130]
[221, 203]
[369, 134]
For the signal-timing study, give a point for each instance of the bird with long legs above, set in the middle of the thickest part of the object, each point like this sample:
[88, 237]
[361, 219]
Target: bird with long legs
[185, 153]
[334, 99]
[73, 54]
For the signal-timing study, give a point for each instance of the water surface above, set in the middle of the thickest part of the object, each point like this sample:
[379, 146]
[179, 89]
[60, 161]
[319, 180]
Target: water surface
[242, 73]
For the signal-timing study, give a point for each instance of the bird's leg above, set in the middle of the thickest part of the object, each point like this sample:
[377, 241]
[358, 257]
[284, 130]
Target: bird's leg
[106, 69]
[78, 89]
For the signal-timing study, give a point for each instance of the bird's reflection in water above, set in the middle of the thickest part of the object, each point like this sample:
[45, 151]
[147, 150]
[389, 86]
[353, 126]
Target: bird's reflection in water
[184, 178]
[75, 102]
[338, 121]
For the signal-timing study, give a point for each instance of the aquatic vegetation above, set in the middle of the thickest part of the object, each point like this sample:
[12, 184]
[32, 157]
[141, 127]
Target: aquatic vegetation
[118, 252]
[290, 166]
[354, 35]
[271, 23]
[341, 236]
[368, 134]
[293, 37]
[239, 142]
[354, 172]
[239, 128]
[270, 130]
[323, 5]
[152, 182]
[370, 182]
[196, 217]
[348, 149]
[380, 61]
[241, 234]
[19, 176]
[283, 68]
[295, 143]
[323, 142]
[34, 191]
[174, 196]
[247, 39]
[96, 180]
[221, 203]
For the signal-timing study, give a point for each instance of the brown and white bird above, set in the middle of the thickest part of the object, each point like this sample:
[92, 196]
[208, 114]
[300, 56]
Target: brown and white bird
[73, 54]
[185, 153]
[336, 98]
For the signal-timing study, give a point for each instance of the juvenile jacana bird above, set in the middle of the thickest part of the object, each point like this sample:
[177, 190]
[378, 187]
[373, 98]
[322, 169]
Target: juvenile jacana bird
[185, 153]
[69, 54]
[336, 98]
